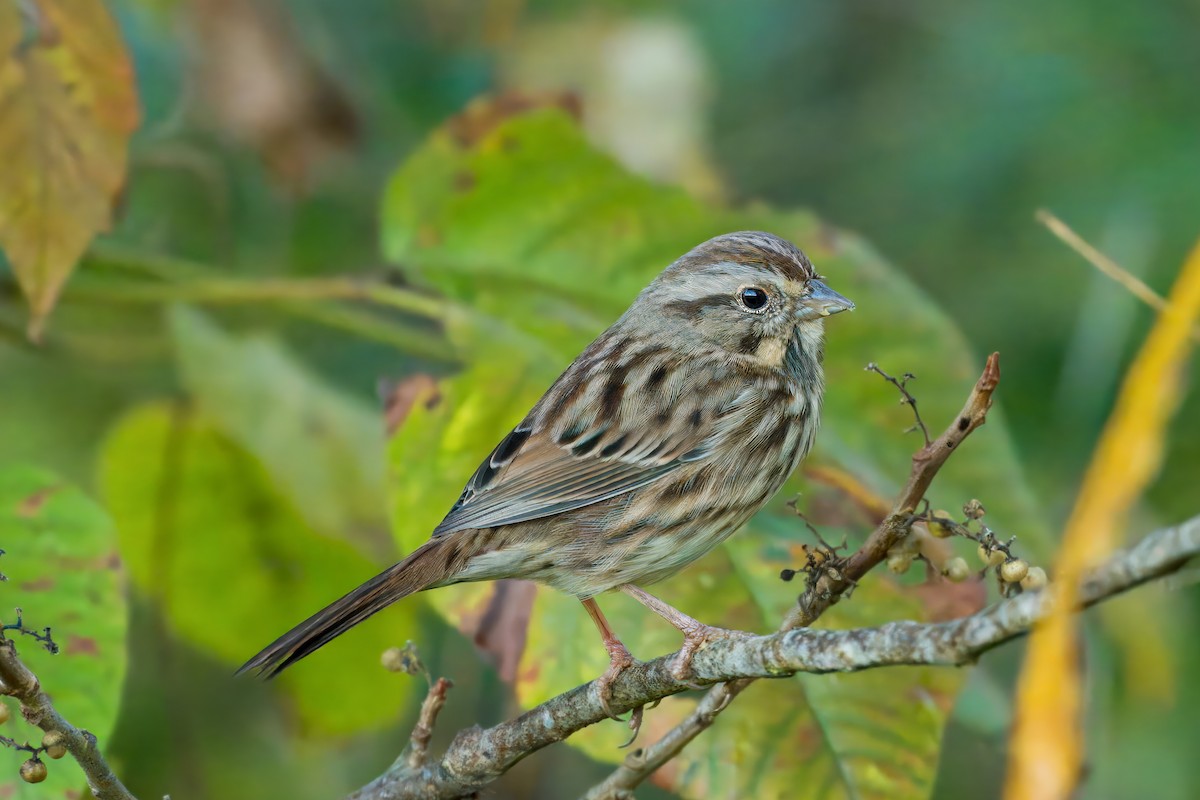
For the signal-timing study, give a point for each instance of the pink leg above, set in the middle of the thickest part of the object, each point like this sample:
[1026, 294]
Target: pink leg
[619, 656]
[695, 633]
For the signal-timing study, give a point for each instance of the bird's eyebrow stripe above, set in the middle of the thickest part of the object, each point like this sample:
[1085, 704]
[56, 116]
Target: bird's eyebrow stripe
[690, 308]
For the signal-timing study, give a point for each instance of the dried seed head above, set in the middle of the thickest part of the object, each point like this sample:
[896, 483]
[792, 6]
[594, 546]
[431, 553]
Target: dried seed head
[394, 660]
[973, 509]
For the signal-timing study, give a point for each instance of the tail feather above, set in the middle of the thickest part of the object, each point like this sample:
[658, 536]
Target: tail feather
[422, 569]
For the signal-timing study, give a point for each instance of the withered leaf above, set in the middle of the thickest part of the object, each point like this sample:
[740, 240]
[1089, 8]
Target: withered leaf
[67, 108]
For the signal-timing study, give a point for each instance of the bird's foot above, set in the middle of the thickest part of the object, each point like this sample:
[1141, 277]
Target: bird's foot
[697, 636]
[619, 659]
[695, 633]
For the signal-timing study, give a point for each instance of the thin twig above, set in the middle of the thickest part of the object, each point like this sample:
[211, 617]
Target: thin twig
[42, 637]
[418, 744]
[1135, 285]
[17, 681]
[906, 398]
[477, 756]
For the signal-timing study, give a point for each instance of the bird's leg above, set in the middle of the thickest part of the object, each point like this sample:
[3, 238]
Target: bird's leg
[619, 656]
[695, 633]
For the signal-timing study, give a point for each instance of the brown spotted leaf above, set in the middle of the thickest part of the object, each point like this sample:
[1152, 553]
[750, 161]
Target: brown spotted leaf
[67, 109]
[61, 563]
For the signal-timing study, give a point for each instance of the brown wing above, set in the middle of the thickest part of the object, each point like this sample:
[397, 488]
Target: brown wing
[543, 468]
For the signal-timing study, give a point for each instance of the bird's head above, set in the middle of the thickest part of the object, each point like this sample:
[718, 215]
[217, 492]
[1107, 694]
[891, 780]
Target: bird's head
[749, 293]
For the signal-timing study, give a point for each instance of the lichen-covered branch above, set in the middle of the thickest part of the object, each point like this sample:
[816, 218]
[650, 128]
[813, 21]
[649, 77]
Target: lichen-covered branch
[16, 680]
[478, 756]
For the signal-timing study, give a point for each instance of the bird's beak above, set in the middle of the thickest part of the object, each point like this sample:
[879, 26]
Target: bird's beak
[821, 301]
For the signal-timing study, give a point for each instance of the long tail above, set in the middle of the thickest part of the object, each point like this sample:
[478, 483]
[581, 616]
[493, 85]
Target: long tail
[422, 569]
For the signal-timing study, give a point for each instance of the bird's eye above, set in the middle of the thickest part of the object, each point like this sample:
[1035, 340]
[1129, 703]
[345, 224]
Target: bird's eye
[753, 298]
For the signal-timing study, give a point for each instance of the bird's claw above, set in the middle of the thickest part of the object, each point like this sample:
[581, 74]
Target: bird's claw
[635, 725]
[619, 659]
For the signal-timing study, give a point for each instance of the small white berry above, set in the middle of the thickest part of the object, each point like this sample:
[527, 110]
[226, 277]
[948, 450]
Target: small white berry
[990, 557]
[957, 570]
[1034, 580]
[1013, 571]
[899, 562]
[55, 743]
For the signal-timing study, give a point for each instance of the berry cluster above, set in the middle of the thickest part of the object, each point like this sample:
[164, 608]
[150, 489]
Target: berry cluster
[1013, 574]
[54, 745]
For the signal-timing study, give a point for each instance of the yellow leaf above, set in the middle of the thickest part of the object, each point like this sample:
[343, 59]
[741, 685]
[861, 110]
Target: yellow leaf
[1046, 754]
[67, 109]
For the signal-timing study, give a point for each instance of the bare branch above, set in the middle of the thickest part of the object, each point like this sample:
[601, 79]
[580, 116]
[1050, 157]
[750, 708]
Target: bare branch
[418, 745]
[477, 756]
[17, 681]
[906, 397]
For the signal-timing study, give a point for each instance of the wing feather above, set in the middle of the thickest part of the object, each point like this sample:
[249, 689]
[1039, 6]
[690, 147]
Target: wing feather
[532, 474]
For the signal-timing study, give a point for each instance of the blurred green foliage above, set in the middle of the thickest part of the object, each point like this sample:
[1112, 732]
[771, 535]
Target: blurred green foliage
[61, 564]
[933, 129]
[211, 543]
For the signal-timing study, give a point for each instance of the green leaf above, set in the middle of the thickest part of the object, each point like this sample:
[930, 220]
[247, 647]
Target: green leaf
[548, 241]
[62, 569]
[323, 449]
[230, 563]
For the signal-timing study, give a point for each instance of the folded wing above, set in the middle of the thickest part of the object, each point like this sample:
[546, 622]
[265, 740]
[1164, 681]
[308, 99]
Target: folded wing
[537, 472]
